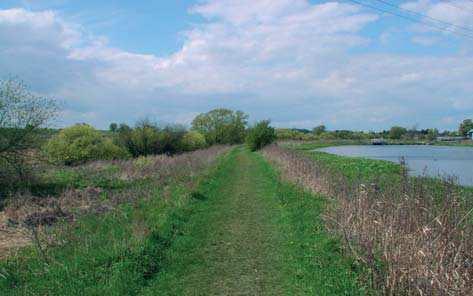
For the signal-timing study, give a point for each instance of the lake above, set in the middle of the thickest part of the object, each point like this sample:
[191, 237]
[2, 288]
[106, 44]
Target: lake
[434, 161]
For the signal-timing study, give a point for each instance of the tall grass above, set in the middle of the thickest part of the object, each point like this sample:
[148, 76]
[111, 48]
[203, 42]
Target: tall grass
[415, 234]
[95, 189]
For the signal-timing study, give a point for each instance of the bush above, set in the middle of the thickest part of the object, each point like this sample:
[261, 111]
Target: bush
[147, 139]
[260, 135]
[193, 141]
[80, 143]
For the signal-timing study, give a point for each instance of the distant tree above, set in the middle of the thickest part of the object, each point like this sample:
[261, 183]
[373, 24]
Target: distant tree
[396, 132]
[123, 127]
[221, 126]
[465, 127]
[318, 130]
[113, 127]
[144, 138]
[260, 135]
[432, 134]
[22, 114]
[170, 140]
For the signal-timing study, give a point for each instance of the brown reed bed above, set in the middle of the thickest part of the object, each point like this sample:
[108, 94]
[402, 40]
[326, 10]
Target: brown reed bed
[414, 234]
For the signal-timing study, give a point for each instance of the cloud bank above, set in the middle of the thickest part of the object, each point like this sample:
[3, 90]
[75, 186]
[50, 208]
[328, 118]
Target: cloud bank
[298, 63]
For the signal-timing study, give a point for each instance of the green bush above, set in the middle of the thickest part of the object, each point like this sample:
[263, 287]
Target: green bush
[80, 143]
[260, 135]
[193, 140]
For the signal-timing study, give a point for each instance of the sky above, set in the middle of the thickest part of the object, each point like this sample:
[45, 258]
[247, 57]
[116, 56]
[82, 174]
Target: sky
[299, 63]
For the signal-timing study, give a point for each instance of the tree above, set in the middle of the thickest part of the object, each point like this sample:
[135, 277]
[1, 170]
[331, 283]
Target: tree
[22, 114]
[143, 139]
[432, 134]
[465, 127]
[260, 135]
[81, 143]
[113, 127]
[396, 132]
[318, 130]
[221, 126]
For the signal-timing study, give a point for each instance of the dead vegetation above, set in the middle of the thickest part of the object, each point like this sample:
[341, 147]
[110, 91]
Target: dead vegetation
[415, 235]
[26, 218]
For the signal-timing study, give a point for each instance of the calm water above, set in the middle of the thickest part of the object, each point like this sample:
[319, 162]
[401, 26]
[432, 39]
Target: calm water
[436, 161]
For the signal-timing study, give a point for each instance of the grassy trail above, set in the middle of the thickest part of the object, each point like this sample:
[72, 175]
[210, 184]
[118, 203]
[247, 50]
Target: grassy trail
[253, 235]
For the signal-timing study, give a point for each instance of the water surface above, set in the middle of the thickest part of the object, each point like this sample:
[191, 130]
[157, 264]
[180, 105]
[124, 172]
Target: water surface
[434, 161]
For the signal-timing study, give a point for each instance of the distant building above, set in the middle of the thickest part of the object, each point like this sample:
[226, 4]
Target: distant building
[470, 134]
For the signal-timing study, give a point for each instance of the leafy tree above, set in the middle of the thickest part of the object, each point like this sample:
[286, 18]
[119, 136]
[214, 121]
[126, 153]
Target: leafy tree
[193, 140]
[221, 126]
[432, 134]
[260, 135]
[80, 143]
[143, 139]
[113, 127]
[465, 127]
[170, 139]
[318, 130]
[22, 114]
[396, 132]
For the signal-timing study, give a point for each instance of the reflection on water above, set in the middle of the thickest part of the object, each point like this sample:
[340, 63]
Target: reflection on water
[422, 160]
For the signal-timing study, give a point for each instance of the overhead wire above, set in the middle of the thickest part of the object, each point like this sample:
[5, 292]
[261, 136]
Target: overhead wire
[413, 19]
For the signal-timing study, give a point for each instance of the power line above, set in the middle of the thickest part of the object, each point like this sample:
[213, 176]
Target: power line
[454, 4]
[429, 24]
[425, 16]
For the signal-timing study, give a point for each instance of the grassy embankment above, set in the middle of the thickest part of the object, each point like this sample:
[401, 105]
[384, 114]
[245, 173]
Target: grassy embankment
[240, 230]
[414, 233]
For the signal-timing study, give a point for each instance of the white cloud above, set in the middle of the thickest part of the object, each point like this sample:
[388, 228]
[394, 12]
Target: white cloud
[288, 60]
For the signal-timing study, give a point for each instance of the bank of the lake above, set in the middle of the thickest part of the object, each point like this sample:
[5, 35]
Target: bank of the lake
[440, 162]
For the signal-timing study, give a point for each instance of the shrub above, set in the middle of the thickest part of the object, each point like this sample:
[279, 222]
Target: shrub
[80, 143]
[147, 139]
[193, 140]
[260, 135]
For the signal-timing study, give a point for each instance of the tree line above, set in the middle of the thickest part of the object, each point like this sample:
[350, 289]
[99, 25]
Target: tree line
[25, 139]
[394, 133]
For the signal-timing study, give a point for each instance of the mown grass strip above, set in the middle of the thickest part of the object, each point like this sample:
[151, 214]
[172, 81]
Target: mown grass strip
[256, 235]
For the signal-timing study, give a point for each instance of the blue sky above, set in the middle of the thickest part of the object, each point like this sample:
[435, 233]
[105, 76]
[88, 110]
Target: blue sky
[300, 63]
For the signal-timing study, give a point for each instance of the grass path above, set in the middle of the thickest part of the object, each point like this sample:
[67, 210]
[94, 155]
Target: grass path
[253, 235]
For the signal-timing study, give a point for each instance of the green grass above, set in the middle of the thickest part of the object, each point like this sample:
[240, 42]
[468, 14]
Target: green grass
[117, 253]
[256, 235]
[242, 232]
[357, 168]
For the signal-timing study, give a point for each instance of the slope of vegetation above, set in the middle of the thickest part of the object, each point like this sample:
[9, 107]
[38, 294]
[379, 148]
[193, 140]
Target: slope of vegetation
[415, 234]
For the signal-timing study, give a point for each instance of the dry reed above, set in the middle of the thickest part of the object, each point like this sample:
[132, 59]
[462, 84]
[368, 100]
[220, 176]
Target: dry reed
[415, 235]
